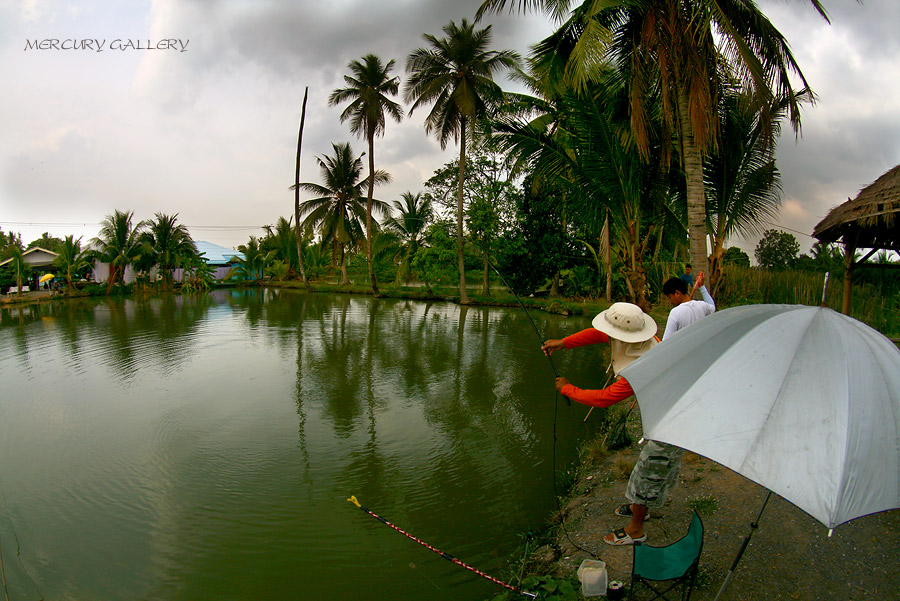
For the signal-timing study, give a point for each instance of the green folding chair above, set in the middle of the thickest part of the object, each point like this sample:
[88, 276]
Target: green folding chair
[669, 567]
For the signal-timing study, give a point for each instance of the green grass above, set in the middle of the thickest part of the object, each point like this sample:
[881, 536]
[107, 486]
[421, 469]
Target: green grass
[751, 285]
[704, 505]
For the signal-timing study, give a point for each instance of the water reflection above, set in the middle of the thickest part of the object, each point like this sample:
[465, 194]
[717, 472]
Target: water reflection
[203, 447]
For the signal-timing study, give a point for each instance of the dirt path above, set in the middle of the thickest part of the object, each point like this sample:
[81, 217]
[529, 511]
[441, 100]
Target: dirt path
[790, 556]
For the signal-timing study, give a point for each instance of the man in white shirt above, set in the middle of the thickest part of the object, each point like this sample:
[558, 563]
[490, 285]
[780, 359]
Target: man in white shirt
[686, 311]
[656, 470]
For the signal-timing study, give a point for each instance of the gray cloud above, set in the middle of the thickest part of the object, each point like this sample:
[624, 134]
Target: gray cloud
[211, 133]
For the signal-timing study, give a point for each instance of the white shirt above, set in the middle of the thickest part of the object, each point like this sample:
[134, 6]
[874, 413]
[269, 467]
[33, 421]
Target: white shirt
[688, 312]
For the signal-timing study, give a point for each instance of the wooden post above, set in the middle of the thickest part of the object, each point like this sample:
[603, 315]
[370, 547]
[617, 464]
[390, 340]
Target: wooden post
[849, 252]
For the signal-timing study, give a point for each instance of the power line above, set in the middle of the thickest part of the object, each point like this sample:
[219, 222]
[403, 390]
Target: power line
[74, 224]
[788, 229]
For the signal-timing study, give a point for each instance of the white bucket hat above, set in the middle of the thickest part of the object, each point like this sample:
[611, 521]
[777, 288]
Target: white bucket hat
[630, 330]
[625, 322]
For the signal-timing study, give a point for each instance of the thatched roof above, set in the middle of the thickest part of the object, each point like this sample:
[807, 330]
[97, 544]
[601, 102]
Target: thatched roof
[871, 220]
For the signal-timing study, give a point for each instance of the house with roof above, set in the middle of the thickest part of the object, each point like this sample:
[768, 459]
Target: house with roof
[39, 259]
[218, 257]
[221, 259]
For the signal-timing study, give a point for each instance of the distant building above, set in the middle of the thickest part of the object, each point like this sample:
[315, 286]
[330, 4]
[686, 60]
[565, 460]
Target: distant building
[220, 258]
[36, 257]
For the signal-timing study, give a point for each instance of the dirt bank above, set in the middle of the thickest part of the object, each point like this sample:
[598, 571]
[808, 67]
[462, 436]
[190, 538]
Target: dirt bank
[790, 556]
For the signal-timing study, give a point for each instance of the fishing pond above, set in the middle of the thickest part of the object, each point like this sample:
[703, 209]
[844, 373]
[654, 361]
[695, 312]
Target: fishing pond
[205, 447]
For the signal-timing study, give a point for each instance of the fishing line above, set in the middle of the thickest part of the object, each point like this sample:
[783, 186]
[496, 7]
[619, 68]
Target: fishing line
[527, 314]
[562, 521]
[446, 556]
[18, 551]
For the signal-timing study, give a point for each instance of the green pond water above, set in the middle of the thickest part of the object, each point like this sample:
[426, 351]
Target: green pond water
[204, 447]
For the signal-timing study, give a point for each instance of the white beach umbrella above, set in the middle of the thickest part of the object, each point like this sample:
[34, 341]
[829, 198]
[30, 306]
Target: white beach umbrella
[802, 400]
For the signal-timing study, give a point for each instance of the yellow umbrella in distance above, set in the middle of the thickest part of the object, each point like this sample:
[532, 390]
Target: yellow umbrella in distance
[46, 277]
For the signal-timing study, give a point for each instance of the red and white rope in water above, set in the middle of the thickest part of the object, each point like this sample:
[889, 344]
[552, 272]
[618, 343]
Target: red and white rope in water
[446, 556]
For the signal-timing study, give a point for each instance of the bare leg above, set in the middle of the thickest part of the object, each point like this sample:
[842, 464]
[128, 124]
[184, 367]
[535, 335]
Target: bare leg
[635, 527]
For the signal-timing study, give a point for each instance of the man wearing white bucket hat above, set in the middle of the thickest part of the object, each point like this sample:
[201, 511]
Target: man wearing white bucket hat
[630, 333]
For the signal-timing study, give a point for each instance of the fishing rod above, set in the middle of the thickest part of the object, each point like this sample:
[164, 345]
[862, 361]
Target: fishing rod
[562, 522]
[533, 325]
[446, 556]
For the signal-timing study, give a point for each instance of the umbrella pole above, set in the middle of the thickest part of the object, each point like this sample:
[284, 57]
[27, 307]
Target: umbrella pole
[753, 526]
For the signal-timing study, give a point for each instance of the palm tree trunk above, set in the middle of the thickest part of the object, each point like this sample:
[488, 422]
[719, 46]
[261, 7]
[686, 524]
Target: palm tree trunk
[297, 193]
[345, 279]
[463, 295]
[369, 212]
[607, 255]
[113, 273]
[693, 174]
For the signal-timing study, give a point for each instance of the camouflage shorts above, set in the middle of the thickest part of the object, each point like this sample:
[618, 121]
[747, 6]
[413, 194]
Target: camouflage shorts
[654, 474]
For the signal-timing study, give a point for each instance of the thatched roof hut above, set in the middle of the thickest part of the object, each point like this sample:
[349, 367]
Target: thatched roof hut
[871, 220]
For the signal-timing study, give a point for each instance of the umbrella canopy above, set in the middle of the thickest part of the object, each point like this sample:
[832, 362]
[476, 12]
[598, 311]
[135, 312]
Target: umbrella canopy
[802, 400]
[46, 277]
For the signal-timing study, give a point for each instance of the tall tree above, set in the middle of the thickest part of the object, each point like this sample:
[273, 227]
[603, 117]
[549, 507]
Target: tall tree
[118, 244]
[580, 144]
[296, 188]
[743, 185]
[415, 214]
[256, 259]
[168, 243]
[777, 250]
[282, 238]
[16, 253]
[455, 75]
[47, 242]
[337, 211]
[368, 88]
[70, 259]
[680, 51]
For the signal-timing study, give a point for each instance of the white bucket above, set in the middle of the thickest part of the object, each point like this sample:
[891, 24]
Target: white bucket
[592, 574]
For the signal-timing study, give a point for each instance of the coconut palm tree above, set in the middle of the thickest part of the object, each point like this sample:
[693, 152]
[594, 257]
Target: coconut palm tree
[168, 244]
[455, 75]
[579, 143]
[282, 238]
[742, 182]
[70, 259]
[415, 213]
[680, 51]
[17, 253]
[368, 89]
[255, 261]
[117, 243]
[337, 211]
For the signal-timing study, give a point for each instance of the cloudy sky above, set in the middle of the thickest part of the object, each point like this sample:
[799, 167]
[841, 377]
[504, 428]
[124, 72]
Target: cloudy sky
[207, 128]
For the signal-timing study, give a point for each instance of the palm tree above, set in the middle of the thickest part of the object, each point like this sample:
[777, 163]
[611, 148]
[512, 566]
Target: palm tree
[455, 75]
[70, 259]
[579, 143]
[17, 254]
[117, 243]
[680, 51]
[415, 213]
[368, 90]
[742, 182]
[167, 243]
[337, 211]
[282, 238]
[255, 261]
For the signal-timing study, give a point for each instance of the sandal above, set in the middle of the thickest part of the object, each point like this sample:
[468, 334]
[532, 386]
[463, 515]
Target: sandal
[620, 537]
[625, 512]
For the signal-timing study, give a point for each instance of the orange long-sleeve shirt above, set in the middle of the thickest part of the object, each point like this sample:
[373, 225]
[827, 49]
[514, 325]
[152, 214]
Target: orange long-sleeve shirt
[606, 397]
